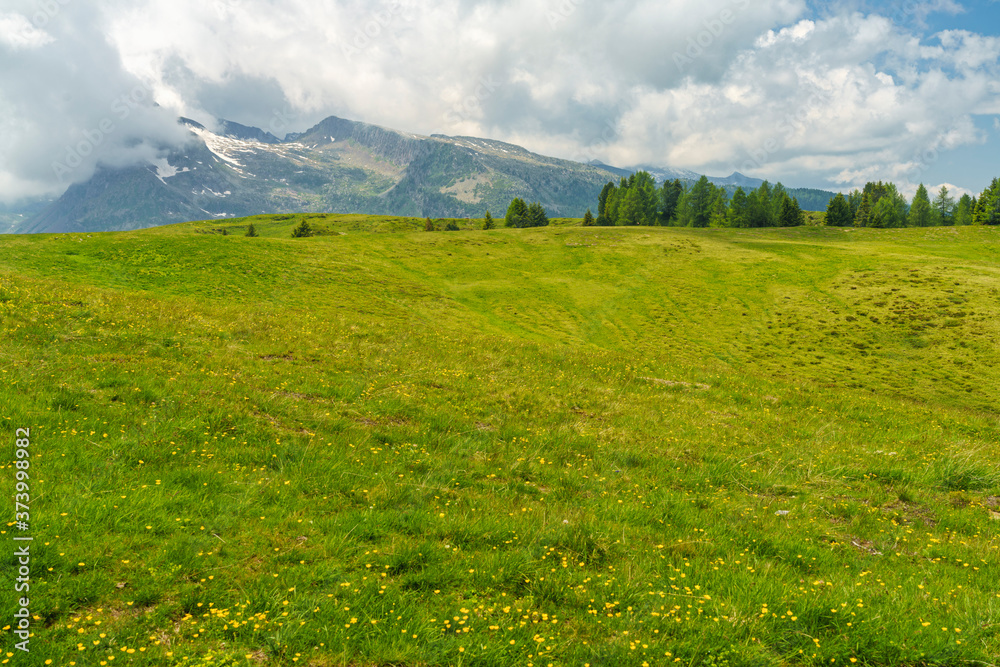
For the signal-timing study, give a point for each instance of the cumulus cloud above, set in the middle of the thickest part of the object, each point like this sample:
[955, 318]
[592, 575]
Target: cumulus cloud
[810, 98]
[775, 89]
[67, 104]
[17, 32]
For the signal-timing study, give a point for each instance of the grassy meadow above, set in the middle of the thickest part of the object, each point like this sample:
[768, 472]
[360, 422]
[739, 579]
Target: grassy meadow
[547, 447]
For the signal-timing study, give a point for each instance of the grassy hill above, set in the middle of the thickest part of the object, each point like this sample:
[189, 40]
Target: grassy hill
[556, 446]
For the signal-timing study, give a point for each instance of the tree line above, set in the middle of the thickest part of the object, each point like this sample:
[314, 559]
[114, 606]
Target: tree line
[637, 201]
[881, 205]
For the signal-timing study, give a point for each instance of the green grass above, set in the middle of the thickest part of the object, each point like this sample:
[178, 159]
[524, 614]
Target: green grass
[564, 446]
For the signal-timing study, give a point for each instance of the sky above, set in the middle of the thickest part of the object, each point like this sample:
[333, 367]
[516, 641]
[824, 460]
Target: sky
[812, 94]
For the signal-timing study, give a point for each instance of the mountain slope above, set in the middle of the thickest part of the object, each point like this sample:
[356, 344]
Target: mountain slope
[337, 166]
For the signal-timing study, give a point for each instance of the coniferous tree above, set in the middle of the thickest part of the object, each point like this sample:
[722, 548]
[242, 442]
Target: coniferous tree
[303, 230]
[719, 208]
[646, 198]
[588, 219]
[979, 210]
[630, 209]
[764, 197]
[838, 212]
[920, 210]
[963, 210]
[452, 226]
[429, 225]
[517, 213]
[756, 210]
[988, 209]
[944, 207]
[615, 198]
[251, 231]
[602, 204]
[885, 214]
[488, 222]
[536, 216]
[791, 213]
[899, 203]
[863, 217]
[778, 195]
[670, 198]
[696, 205]
[854, 200]
[738, 209]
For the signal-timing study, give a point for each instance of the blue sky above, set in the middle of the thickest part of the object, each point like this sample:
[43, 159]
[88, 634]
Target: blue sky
[813, 94]
[972, 166]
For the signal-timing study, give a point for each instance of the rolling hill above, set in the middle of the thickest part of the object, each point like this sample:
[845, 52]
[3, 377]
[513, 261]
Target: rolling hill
[565, 445]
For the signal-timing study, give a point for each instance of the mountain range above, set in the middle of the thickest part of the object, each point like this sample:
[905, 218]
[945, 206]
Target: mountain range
[337, 166]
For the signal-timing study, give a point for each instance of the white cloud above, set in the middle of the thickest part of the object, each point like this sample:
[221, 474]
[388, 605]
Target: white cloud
[66, 106]
[17, 32]
[954, 191]
[712, 85]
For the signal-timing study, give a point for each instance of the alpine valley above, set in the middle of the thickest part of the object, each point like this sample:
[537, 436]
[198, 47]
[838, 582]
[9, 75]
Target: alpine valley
[338, 166]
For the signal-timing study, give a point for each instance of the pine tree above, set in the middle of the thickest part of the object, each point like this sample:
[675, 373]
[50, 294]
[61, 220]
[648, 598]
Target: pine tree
[838, 212]
[920, 210]
[696, 206]
[303, 230]
[251, 231]
[885, 214]
[646, 199]
[738, 209]
[588, 219]
[602, 204]
[630, 212]
[488, 222]
[756, 216]
[429, 225]
[517, 213]
[854, 200]
[963, 210]
[670, 198]
[536, 216]
[791, 213]
[862, 218]
[988, 210]
[717, 215]
[898, 202]
[778, 195]
[944, 207]
[452, 226]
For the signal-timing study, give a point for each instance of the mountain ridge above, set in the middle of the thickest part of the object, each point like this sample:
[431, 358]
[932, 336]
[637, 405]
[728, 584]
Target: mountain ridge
[337, 166]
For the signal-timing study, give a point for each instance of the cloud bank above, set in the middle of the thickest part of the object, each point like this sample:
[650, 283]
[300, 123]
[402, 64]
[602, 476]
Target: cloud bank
[772, 89]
